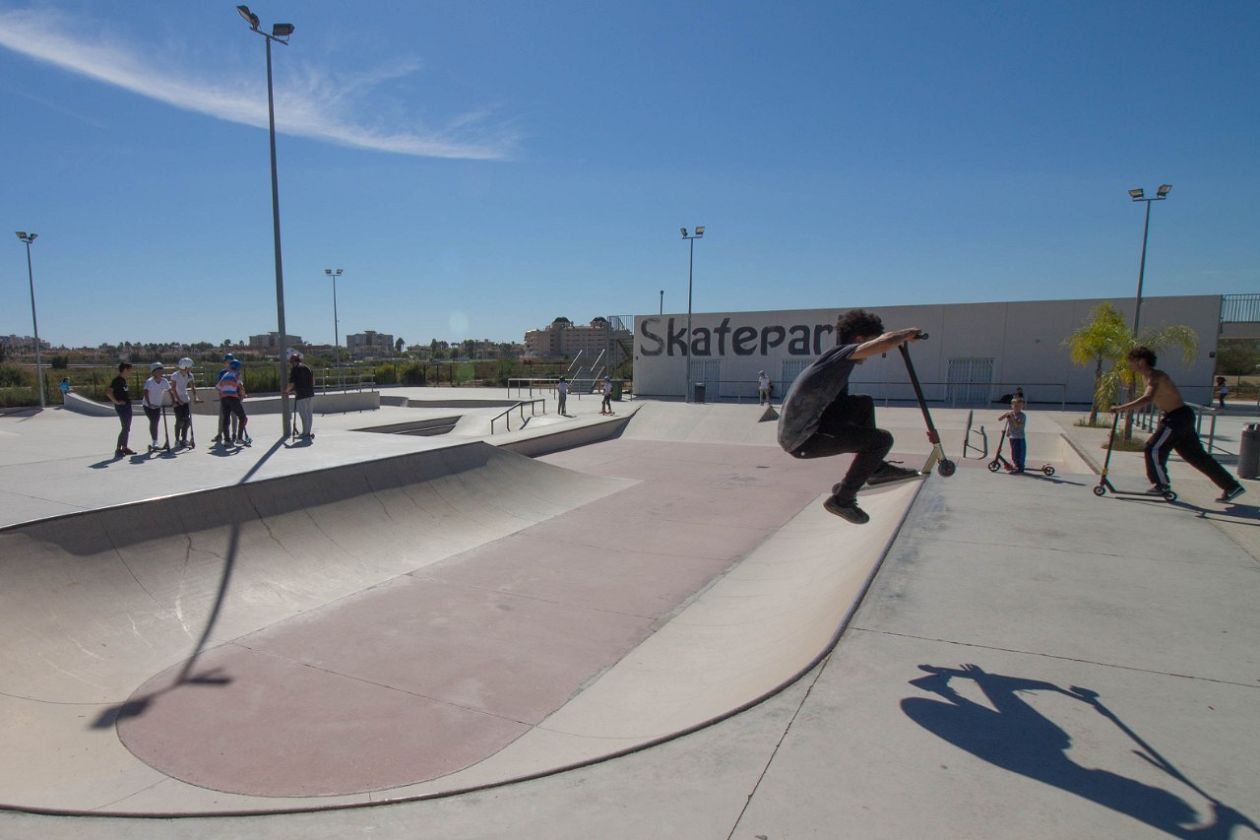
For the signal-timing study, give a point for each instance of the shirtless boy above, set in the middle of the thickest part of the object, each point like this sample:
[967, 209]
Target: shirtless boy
[1176, 430]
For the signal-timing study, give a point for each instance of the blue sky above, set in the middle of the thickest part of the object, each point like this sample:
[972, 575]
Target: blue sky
[478, 168]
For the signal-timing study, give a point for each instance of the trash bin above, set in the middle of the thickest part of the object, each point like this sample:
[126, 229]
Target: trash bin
[1249, 452]
[699, 392]
[618, 386]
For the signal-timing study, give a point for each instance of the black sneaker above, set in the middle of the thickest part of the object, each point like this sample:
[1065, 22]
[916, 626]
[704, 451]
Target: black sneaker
[847, 510]
[1231, 494]
[1157, 490]
[888, 473]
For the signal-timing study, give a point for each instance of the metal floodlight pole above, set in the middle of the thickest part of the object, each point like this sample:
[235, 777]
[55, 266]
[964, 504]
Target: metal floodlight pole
[691, 261]
[279, 32]
[662, 309]
[1137, 194]
[28, 238]
[334, 274]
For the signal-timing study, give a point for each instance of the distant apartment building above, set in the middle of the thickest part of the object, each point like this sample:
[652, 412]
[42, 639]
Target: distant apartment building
[562, 338]
[271, 341]
[370, 343]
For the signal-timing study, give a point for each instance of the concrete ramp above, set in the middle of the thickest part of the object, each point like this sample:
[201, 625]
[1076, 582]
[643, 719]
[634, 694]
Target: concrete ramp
[414, 626]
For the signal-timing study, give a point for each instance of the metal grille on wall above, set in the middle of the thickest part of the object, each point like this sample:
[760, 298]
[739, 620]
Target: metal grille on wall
[969, 381]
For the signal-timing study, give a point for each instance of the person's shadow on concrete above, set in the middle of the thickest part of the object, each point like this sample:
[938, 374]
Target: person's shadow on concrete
[1016, 737]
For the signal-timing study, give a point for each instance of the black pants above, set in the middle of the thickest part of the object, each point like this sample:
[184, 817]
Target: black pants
[848, 425]
[155, 416]
[183, 421]
[1176, 432]
[124, 417]
[231, 407]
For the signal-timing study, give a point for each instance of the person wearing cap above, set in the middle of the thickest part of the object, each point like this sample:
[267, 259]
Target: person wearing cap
[231, 388]
[606, 406]
[763, 387]
[183, 394]
[118, 395]
[156, 390]
[302, 385]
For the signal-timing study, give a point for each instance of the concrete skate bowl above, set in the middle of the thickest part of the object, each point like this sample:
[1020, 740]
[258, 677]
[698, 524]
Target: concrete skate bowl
[412, 627]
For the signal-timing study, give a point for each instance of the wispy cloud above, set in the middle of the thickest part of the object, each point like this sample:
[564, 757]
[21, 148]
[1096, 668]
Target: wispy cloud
[316, 106]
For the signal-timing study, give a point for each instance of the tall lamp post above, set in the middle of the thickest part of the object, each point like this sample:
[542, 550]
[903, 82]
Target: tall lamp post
[662, 309]
[1138, 194]
[334, 273]
[280, 33]
[28, 238]
[691, 261]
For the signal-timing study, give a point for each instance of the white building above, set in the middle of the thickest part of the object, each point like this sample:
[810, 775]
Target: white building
[976, 352]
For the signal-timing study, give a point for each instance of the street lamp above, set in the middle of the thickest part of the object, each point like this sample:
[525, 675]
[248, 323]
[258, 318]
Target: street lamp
[662, 309]
[279, 33]
[1138, 194]
[699, 233]
[28, 238]
[334, 273]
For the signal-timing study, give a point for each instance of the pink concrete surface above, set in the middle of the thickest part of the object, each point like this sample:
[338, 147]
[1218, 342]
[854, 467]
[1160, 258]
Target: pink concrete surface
[430, 672]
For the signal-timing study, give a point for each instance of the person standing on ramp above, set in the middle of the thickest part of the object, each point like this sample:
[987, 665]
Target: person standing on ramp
[819, 417]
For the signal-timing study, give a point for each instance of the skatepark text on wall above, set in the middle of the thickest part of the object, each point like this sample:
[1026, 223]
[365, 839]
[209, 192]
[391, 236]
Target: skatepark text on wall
[801, 339]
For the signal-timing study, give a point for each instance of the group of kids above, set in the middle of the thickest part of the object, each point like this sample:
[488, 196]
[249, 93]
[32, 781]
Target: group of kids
[179, 391]
[819, 418]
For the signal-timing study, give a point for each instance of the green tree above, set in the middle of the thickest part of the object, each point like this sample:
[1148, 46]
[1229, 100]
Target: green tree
[1237, 356]
[1101, 339]
[398, 345]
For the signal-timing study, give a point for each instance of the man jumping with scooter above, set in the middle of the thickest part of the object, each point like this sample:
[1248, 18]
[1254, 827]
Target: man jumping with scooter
[1176, 430]
[820, 417]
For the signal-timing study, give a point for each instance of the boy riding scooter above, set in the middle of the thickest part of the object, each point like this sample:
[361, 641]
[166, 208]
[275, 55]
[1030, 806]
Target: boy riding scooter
[820, 417]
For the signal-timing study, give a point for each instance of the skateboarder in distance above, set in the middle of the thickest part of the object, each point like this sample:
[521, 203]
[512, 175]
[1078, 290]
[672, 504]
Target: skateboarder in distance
[1176, 430]
[820, 417]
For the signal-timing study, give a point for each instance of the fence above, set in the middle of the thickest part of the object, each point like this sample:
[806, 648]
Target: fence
[952, 394]
[1240, 309]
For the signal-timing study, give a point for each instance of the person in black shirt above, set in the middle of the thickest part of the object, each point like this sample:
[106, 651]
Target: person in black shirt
[302, 384]
[121, 399]
[819, 416]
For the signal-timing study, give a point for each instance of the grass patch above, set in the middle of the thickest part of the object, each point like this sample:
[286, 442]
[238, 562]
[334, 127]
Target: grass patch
[1097, 424]
[1126, 445]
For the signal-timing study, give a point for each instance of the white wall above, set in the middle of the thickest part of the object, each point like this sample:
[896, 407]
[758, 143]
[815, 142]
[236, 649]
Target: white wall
[1024, 339]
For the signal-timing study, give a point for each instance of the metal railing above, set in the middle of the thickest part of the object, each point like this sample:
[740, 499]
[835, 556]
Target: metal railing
[506, 414]
[1240, 309]
[345, 379]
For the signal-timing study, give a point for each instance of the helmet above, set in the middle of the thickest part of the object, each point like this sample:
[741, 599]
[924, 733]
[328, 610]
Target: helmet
[227, 357]
[234, 364]
[156, 366]
[295, 354]
[184, 363]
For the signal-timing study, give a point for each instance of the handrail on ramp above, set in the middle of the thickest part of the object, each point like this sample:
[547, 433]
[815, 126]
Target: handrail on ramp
[506, 414]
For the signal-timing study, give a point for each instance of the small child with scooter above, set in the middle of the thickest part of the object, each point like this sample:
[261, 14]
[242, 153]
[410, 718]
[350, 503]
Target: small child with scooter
[1016, 420]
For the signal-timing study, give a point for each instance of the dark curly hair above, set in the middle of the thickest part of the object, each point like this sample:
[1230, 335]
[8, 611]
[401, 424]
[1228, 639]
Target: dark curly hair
[857, 322]
[1143, 352]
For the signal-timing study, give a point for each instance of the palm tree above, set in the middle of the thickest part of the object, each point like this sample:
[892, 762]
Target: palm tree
[1097, 341]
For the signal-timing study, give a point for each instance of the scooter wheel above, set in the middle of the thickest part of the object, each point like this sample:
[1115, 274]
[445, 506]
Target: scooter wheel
[1048, 470]
[946, 468]
[1170, 496]
[1099, 490]
[994, 466]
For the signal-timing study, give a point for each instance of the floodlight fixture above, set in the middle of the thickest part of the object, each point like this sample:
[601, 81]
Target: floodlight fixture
[684, 232]
[1164, 190]
[281, 30]
[1137, 193]
[699, 230]
[250, 17]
